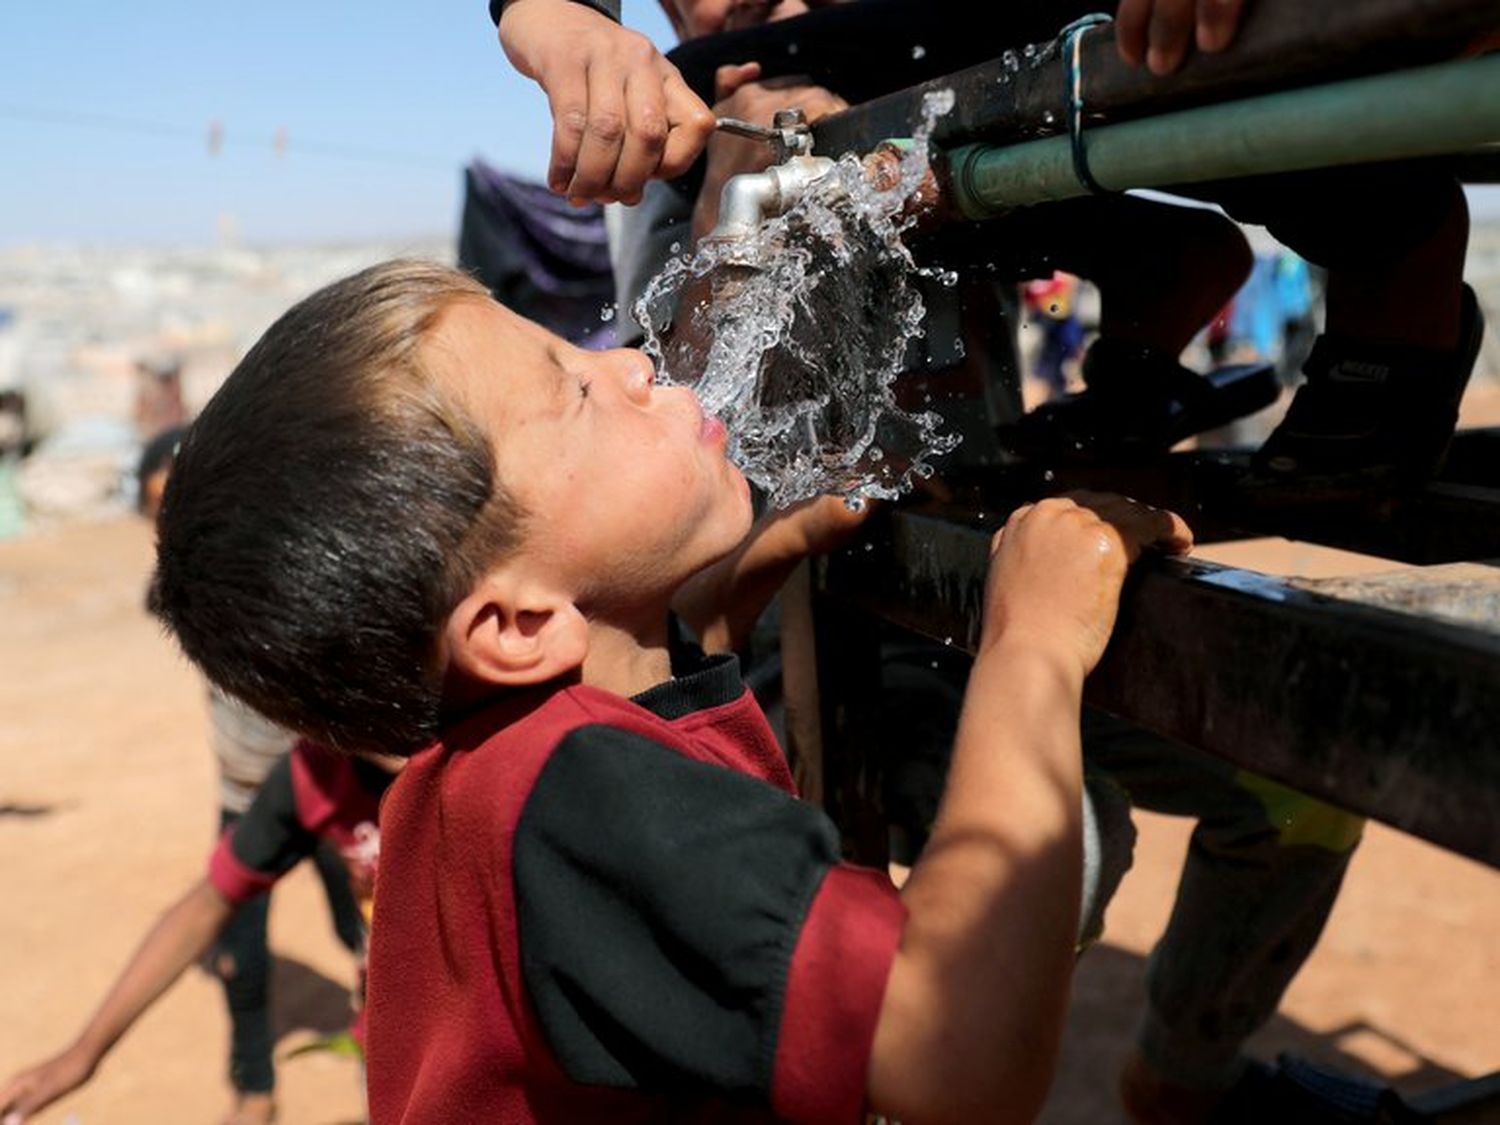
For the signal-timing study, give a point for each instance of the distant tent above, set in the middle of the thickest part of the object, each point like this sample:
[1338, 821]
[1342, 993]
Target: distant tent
[538, 255]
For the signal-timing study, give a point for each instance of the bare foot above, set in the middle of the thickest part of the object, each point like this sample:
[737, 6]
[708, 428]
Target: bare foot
[252, 1109]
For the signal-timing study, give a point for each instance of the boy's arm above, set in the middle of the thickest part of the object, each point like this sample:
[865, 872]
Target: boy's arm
[974, 1003]
[180, 936]
[722, 602]
[621, 113]
[735, 931]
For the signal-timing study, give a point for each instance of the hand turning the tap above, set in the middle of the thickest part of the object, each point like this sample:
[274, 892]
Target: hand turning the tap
[621, 113]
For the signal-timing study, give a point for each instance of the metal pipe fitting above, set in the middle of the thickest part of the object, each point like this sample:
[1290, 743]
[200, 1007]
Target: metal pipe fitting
[751, 198]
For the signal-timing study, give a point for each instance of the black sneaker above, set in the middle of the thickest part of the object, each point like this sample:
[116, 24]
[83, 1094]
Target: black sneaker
[1294, 1091]
[1370, 415]
[1138, 403]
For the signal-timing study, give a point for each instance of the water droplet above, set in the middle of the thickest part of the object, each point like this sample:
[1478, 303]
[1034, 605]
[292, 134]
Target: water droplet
[875, 453]
[1049, 476]
[791, 48]
[675, 248]
[606, 312]
[854, 503]
[948, 641]
[869, 546]
[919, 52]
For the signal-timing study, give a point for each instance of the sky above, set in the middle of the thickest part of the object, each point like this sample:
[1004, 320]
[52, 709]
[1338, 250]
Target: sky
[106, 111]
[106, 108]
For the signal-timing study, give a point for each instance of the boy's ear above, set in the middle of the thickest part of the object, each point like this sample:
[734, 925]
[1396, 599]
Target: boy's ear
[513, 633]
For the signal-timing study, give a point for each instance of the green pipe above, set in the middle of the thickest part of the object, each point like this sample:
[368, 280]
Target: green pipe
[1422, 112]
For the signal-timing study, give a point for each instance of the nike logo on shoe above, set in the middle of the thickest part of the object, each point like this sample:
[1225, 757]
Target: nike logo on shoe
[1354, 371]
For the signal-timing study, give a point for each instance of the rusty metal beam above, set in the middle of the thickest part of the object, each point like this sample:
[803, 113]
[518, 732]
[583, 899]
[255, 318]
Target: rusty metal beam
[1390, 714]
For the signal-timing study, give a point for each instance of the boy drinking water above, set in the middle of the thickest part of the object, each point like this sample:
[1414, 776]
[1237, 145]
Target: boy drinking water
[413, 522]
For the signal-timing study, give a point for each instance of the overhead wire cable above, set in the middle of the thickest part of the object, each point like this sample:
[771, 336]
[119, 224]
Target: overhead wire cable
[288, 145]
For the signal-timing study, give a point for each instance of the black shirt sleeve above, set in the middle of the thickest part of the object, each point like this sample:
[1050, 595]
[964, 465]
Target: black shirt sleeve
[659, 903]
[270, 838]
[610, 8]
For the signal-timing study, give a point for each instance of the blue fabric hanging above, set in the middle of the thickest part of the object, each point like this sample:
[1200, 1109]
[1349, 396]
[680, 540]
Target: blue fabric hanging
[542, 257]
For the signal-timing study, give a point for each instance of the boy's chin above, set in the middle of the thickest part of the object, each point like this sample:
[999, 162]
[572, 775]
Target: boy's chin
[709, 559]
[719, 551]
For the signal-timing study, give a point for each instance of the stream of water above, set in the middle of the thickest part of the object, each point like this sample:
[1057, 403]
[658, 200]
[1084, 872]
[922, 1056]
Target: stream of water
[799, 355]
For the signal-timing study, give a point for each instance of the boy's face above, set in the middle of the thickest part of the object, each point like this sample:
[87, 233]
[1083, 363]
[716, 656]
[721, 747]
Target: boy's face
[625, 484]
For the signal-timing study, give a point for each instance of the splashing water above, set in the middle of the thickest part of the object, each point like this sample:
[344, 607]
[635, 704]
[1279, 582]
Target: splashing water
[799, 355]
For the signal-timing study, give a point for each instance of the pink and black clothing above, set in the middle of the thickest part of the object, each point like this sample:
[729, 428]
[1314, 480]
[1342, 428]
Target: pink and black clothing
[313, 794]
[313, 804]
[593, 908]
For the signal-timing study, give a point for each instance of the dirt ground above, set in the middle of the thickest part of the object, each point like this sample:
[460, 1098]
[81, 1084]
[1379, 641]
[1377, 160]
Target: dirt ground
[107, 811]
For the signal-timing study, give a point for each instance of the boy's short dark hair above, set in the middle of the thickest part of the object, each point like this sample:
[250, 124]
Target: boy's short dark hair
[326, 512]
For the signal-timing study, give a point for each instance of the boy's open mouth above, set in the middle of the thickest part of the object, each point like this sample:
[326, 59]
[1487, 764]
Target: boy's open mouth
[713, 430]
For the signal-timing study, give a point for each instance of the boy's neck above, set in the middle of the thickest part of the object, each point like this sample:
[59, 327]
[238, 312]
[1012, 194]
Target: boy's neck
[627, 661]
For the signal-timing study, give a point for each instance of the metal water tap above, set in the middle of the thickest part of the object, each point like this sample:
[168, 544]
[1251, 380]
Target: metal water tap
[752, 197]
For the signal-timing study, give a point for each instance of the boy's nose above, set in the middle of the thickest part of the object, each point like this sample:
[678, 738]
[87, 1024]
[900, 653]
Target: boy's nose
[637, 373]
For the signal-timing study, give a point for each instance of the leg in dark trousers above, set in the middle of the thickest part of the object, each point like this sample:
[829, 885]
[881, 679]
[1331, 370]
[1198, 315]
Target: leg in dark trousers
[348, 922]
[241, 959]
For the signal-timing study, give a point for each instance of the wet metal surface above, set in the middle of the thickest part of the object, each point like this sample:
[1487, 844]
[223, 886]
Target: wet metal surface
[1389, 713]
[1463, 593]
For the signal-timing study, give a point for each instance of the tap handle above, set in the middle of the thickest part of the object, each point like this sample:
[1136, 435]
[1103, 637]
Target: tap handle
[788, 134]
[745, 129]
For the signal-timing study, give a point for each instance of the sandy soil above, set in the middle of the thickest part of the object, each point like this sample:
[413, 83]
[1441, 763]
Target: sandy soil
[107, 812]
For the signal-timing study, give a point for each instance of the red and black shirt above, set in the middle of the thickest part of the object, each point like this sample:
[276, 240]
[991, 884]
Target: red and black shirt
[600, 909]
